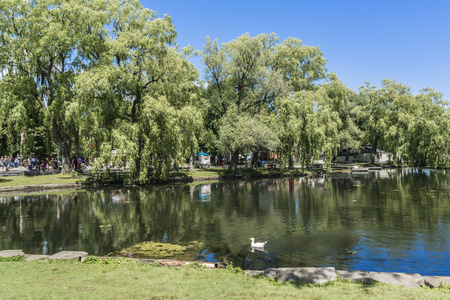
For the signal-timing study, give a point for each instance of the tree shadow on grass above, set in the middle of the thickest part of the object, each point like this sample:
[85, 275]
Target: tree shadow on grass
[215, 170]
[206, 172]
[3, 180]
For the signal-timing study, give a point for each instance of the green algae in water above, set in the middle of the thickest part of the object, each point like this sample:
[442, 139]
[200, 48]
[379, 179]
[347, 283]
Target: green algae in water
[160, 250]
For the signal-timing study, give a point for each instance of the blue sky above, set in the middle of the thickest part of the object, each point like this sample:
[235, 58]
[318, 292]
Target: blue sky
[408, 41]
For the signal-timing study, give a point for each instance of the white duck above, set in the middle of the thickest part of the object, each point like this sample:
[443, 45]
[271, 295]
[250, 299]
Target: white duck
[257, 245]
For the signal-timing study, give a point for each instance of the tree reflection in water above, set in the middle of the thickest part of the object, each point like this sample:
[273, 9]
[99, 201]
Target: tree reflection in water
[381, 221]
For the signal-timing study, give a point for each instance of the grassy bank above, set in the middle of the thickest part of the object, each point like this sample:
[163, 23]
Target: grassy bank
[135, 280]
[41, 179]
[114, 178]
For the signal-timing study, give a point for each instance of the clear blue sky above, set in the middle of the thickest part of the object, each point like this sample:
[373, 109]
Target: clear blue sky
[408, 41]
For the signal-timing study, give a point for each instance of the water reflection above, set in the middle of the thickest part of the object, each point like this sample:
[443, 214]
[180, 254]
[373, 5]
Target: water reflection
[387, 220]
[201, 192]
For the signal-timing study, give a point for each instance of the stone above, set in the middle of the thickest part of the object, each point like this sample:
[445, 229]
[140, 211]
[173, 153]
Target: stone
[31, 257]
[308, 275]
[253, 272]
[413, 280]
[436, 281]
[10, 253]
[360, 276]
[77, 255]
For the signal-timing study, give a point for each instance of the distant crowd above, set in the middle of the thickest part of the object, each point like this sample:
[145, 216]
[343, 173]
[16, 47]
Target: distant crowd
[9, 162]
[44, 164]
[32, 163]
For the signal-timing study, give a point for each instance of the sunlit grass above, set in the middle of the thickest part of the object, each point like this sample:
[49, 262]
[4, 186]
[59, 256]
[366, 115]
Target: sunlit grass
[214, 172]
[41, 179]
[223, 172]
[74, 280]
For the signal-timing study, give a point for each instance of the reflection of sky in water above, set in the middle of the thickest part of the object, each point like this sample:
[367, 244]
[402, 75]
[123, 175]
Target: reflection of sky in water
[420, 171]
[204, 192]
[207, 255]
[165, 238]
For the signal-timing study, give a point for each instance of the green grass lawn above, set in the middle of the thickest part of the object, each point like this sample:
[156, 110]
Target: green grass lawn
[75, 280]
[41, 179]
[219, 171]
[105, 177]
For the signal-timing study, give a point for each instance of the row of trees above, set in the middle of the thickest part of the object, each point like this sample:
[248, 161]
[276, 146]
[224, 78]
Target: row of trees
[111, 70]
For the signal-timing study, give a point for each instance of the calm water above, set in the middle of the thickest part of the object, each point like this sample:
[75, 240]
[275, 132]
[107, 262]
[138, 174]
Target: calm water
[386, 220]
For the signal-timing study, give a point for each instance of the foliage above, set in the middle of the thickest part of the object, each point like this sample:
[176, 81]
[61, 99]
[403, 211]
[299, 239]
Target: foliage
[140, 95]
[246, 77]
[311, 125]
[109, 261]
[413, 128]
[13, 258]
[235, 270]
[428, 133]
[105, 79]
[39, 46]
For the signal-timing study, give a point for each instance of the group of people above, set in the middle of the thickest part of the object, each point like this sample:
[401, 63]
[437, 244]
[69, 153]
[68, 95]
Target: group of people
[9, 162]
[31, 163]
[35, 164]
[77, 163]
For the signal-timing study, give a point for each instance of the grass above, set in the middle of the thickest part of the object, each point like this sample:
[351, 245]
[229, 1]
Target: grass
[105, 178]
[220, 172]
[75, 280]
[209, 172]
[41, 179]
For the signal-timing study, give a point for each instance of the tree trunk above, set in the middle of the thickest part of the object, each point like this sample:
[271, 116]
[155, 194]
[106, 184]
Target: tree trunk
[232, 170]
[191, 163]
[176, 165]
[138, 158]
[291, 160]
[254, 162]
[374, 150]
[63, 148]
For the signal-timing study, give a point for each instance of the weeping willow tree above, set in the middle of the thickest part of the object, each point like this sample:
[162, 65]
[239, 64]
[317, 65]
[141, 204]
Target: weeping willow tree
[242, 84]
[140, 96]
[21, 114]
[43, 44]
[311, 125]
[342, 100]
[428, 134]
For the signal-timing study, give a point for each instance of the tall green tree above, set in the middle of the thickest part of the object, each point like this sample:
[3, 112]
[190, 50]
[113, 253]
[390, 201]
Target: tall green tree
[384, 115]
[242, 85]
[142, 91]
[311, 125]
[21, 112]
[302, 69]
[41, 41]
[343, 101]
[428, 134]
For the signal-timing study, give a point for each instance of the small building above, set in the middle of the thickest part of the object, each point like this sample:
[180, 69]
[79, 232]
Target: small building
[202, 160]
[381, 157]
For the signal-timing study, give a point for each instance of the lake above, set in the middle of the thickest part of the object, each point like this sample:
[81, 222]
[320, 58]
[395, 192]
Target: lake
[388, 220]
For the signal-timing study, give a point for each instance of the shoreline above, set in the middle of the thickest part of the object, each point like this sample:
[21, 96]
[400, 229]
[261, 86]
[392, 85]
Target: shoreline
[310, 275]
[36, 188]
[57, 187]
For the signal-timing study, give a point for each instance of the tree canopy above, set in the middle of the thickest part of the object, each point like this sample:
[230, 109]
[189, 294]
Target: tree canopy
[108, 78]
